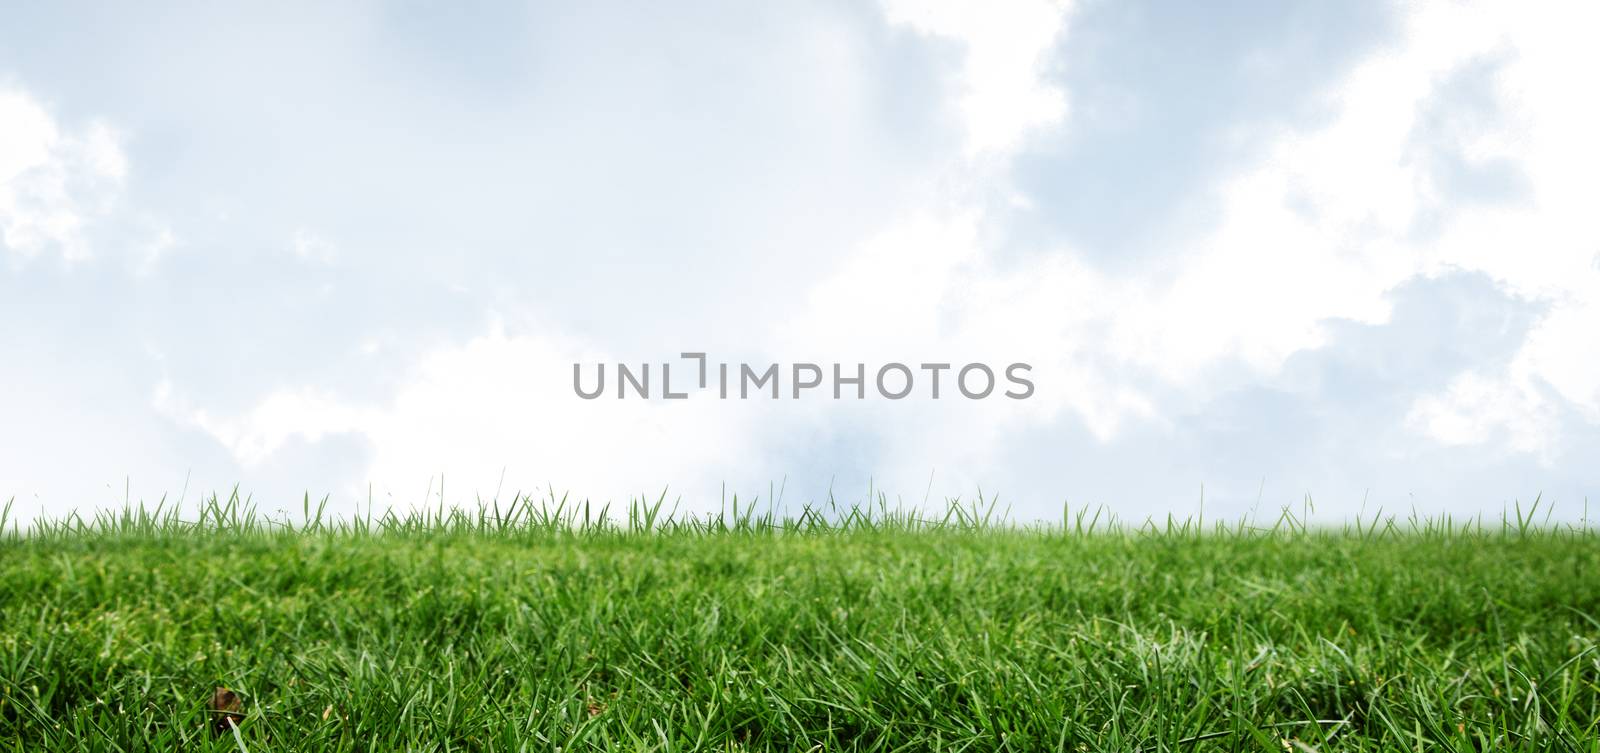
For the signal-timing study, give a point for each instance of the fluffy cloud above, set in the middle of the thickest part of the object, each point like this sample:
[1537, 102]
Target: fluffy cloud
[498, 409]
[502, 401]
[810, 209]
[53, 181]
[312, 248]
[1543, 246]
[1003, 92]
[1320, 228]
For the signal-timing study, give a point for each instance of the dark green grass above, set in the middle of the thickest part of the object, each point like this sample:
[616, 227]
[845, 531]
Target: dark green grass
[531, 630]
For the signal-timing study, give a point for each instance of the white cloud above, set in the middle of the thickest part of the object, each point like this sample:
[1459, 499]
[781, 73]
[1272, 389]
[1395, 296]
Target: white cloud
[256, 435]
[496, 404]
[1324, 226]
[160, 240]
[1332, 220]
[1543, 247]
[54, 182]
[1319, 230]
[1004, 94]
[310, 247]
[1476, 409]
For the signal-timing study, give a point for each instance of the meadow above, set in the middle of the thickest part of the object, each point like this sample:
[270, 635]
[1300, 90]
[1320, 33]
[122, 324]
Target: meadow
[550, 626]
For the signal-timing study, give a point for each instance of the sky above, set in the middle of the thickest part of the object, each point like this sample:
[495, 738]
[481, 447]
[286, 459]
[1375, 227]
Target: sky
[1255, 254]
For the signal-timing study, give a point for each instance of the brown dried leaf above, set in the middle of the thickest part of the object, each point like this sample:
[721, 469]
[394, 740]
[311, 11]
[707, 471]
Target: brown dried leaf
[227, 711]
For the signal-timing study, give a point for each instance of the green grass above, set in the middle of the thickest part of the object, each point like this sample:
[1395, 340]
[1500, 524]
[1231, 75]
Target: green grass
[542, 628]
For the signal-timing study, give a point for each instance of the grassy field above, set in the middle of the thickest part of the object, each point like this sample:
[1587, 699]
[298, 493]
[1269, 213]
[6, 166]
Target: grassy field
[532, 630]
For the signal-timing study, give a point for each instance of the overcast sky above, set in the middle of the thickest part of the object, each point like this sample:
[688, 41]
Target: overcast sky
[1274, 249]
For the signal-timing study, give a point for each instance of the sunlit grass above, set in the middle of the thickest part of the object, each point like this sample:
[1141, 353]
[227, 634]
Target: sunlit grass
[545, 624]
